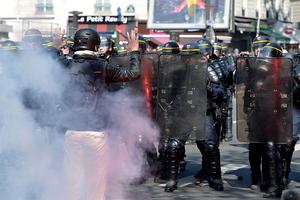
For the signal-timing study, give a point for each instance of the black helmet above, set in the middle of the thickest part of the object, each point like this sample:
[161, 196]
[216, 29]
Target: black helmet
[170, 47]
[271, 50]
[224, 50]
[86, 39]
[142, 43]
[205, 47]
[106, 41]
[218, 48]
[9, 45]
[33, 36]
[259, 42]
[190, 49]
[121, 50]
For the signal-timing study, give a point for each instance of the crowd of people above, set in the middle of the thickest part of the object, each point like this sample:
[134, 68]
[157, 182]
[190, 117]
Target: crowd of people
[188, 93]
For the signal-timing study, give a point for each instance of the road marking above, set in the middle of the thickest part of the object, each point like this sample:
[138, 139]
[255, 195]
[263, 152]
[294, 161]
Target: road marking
[297, 147]
[232, 167]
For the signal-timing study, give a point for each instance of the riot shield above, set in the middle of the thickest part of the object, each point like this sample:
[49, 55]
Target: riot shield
[120, 61]
[264, 99]
[148, 82]
[181, 104]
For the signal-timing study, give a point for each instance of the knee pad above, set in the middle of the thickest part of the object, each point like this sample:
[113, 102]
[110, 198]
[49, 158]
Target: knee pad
[175, 145]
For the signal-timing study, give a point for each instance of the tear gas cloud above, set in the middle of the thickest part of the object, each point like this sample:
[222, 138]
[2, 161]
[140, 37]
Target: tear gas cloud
[33, 122]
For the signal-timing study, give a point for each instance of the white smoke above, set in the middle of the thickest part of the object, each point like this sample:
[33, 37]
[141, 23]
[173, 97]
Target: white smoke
[32, 87]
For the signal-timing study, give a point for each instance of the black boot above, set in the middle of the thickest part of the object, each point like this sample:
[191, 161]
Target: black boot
[162, 175]
[214, 167]
[265, 169]
[283, 150]
[202, 173]
[255, 163]
[173, 158]
[273, 162]
[290, 148]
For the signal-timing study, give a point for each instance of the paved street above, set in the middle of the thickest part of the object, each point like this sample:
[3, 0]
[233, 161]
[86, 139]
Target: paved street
[234, 158]
[235, 169]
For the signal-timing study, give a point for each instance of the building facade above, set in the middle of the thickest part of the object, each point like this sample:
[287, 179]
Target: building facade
[50, 16]
[256, 17]
[295, 12]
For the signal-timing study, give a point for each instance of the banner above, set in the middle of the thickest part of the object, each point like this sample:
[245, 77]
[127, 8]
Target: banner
[188, 14]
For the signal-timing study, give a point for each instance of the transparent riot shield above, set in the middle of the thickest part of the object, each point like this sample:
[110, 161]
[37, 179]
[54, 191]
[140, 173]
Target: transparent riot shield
[264, 99]
[181, 104]
[148, 81]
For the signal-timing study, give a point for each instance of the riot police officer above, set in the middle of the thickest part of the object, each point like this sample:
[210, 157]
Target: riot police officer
[256, 149]
[209, 148]
[258, 43]
[9, 45]
[273, 154]
[227, 71]
[121, 50]
[142, 44]
[168, 48]
[32, 39]
[168, 165]
[296, 119]
[106, 47]
[119, 57]
[50, 48]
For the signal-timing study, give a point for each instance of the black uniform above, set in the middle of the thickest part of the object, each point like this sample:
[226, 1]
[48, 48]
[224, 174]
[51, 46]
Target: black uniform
[273, 153]
[166, 144]
[89, 76]
[256, 149]
[209, 148]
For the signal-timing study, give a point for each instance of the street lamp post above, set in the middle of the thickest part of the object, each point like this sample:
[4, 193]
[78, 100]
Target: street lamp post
[73, 21]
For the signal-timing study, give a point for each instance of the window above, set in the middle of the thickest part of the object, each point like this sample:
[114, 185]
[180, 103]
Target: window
[102, 5]
[44, 6]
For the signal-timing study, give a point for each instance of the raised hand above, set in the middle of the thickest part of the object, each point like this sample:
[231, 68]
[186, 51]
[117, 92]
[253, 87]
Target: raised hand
[133, 43]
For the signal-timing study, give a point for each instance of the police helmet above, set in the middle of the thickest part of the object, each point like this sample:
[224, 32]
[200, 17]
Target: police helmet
[224, 50]
[33, 36]
[121, 50]
[205, 47]
[142, 43]
[218, 48]
[106, 41]
[48, 42]
[170, 47]
[9, 45]
[190, 49]
[271, 50]
[86, 39]
[259, 42]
